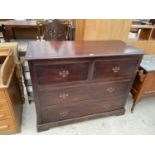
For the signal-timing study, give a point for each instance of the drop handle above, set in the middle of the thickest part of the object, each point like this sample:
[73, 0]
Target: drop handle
[116, 69]
[63, 95]
[110, 89]
[64, 73]
[63, 114]
[4, 127]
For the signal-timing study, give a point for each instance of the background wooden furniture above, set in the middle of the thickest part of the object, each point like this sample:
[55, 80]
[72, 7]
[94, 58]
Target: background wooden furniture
[1, 32]
[152, 21]
[75, 81]
[144, 84]
[14, 29]
[92, 29]
[55, 31]
[146, 31]
[145, 39]
[26, 77]
[13, 46]
[58, 29]
[112, 29]
[147, 46]
[10, 97]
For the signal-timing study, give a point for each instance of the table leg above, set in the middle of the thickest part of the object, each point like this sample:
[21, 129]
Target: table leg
[139, 92]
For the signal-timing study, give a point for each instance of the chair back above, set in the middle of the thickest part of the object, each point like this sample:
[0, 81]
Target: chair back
[55, 31]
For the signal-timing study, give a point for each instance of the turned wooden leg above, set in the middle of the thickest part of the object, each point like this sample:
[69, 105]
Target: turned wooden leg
[133, 107]
[135, 102]
[143, 82]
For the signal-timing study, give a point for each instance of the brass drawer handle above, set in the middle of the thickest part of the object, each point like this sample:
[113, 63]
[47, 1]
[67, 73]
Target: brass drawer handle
[4, 127]
[63, 96]
[116, 69]
[110, 89]
[64, 73]
[63, 114]
[2, 115]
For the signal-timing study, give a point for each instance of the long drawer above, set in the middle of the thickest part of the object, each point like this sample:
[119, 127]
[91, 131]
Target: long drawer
[90, 91]
[84, 108]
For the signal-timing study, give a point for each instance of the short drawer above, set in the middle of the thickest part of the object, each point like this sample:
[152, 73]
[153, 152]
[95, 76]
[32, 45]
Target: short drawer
[113, 69]
[3, 104]
[56, 73]
[6, 125]
[5, 114]
[90, 91]
[82, 109]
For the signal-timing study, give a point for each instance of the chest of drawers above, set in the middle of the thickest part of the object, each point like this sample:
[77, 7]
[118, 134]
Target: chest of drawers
[76, 81]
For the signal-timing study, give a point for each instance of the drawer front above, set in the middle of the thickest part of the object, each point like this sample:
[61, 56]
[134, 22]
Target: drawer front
[56, 73]
[2, 95]
[85, 92]
[3, 104]
[82, 109]
[112, 69]
[5, 114]
[6, 125]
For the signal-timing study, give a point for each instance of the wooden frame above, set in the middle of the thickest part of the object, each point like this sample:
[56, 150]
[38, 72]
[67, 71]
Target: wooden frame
[13, 47]
[7, 66]
[10, 96]
[144, 86]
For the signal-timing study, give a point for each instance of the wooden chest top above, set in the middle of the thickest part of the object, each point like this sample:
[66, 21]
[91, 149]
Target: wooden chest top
[72, 49]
